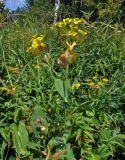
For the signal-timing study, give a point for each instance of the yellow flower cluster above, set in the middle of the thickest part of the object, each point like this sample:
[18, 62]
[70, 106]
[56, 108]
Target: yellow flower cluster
[75, 86]
[71, 22]
[36, 66]
[8, 89]
[96, 84]
[70, 27]
[37, 45]
[15, 69]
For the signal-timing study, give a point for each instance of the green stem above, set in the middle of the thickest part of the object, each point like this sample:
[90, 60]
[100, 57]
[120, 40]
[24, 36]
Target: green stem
[38, 71]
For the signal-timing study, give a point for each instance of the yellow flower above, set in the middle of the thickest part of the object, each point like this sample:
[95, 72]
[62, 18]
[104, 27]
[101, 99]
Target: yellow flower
[72, 33]
[42, 128]
[14, 69]
[59, 24]
[39, 39]
[36, 66]
[98, 87]
[94, 78]
[67, 20]
[92, 84]
[68, 57]
[105, 80]
[34, 44]
[42, 44]
[100, 83]
[37, 45]
[8, 89]
[75, 86]
[88, 80]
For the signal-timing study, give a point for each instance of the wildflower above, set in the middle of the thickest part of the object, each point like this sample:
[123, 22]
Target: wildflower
[14, 69]
[105, 80]
[42, 128]
[72, 33]
[37, 45]
[94, 78]
[37, 66]
[34, 44]
[76, 22]
[88, 80]
[46, 59]
[98, 87]
[100, 83]
[68, 57]
[66, 21]
[59, 24]
[9, 90]
[75, 86]
[91, 84]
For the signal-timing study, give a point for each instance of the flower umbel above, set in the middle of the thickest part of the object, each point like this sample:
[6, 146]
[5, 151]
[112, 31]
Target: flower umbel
[37, 45]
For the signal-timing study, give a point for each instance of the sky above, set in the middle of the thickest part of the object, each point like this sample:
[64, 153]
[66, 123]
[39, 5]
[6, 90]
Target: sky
[13, 5]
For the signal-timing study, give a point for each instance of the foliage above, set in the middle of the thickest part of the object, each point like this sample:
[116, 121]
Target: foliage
[101, 10]
[67, 101]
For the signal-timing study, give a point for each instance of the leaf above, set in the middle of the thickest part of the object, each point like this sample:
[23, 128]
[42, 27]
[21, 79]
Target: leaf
[16, 114]
[78, 133]
[116, 131]
[20, 139]
[60, 87]
[52, 143]
[3, 147]
[23, 134]
[94, 157]
[3, 134]
[89, 135]
[67, 87]
[63, 88]
[16, 140]
[118, 143]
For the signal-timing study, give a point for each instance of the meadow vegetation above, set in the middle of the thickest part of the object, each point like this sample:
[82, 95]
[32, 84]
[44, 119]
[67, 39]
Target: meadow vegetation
[62, 87]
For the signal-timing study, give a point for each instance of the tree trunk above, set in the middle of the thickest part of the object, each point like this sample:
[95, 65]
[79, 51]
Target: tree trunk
[57, 5]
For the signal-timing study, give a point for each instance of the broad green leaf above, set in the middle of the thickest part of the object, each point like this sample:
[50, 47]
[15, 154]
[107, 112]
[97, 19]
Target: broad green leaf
[20, 139]
[16, 140]
[63, 88]
[59, 85]
[23, 134]
[67, 87]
